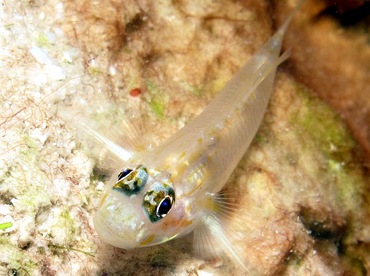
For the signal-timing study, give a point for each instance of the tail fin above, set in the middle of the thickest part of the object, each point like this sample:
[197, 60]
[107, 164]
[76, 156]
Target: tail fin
[282, 29]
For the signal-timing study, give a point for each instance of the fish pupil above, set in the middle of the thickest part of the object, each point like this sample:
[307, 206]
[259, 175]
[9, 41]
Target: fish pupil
[124, 173]
[164, 207]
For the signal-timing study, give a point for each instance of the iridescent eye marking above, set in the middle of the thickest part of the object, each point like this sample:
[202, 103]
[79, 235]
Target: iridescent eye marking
[131, 181]
[158, 201]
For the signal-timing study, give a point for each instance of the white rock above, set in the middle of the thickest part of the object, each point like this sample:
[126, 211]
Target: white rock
[40, 55]
[63, 187]
[40, 135]
[55, 72]
[4, 209]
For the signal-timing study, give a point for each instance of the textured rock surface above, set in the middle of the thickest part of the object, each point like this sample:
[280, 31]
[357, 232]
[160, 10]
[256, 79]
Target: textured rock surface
[300, 187]
[334, 60]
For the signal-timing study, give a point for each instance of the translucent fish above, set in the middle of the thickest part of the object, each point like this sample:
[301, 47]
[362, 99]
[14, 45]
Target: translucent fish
[174, 189]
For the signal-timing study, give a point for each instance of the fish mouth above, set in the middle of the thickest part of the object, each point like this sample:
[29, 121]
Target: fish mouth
[117, 235]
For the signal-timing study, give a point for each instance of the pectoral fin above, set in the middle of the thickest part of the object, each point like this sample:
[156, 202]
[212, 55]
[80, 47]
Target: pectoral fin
[214, 239]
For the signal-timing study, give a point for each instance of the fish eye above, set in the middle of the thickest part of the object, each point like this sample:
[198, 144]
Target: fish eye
[131, 181]
[164, 207]
[124, 173]
[158, 201]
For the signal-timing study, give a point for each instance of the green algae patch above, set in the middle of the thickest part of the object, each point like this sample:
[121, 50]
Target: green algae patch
[322, 131]
[157, 101]
[318, 122]
[67, 222]
[42, 41]
[15, 259]
[262, 137]
[56, 248]
[259, 138]
[28, 180]
[5, 225]
[191, 88]
[95, 71]
[157, 106]
[337, 173]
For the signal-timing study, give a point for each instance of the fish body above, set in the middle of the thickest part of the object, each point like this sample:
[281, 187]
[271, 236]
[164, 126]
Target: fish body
[173, 189]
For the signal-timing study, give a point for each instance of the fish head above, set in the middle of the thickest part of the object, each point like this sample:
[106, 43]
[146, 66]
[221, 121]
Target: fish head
[140, 209]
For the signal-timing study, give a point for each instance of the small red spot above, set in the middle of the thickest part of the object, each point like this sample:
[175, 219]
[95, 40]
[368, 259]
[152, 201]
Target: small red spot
[135, 92]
